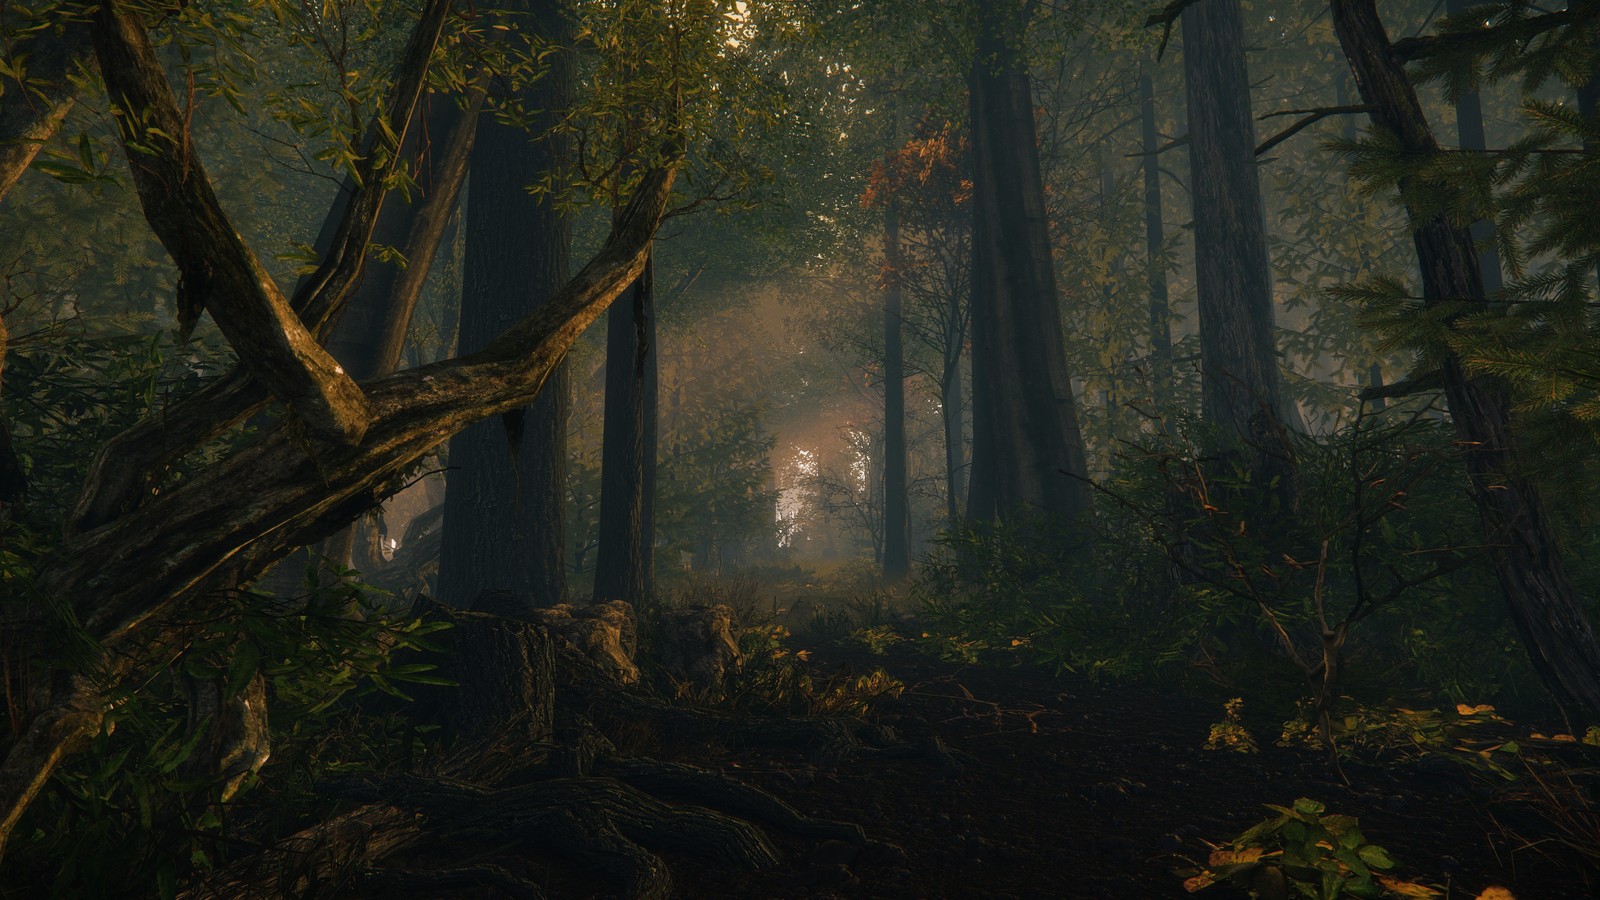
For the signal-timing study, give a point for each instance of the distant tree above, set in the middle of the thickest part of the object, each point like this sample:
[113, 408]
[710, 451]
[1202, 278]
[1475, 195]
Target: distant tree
[1028, 454]
[1241, 388]
[927, 179]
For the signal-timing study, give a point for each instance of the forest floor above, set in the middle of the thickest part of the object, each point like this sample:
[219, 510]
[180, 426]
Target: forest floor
[1075, 789]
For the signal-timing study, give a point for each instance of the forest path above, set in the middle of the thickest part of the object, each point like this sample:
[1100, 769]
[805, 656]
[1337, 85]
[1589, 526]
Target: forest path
[1086, 790]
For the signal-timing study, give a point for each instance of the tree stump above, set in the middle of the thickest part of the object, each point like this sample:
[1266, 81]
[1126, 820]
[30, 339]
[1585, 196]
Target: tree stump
[504, 671]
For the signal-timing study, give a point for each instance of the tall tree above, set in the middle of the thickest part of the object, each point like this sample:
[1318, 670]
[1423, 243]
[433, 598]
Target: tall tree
[1469, 134]
[1154, 241]
[504, 500]
[627, 456]
[896, 498]
[369, 336]
[1241, 388]
[1522, 543]
[1028, 453]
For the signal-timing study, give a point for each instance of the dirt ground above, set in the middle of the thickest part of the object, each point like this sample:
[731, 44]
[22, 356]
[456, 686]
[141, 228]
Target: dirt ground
[1078, 790]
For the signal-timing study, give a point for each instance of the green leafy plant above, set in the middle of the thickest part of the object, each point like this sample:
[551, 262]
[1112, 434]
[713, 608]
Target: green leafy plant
[1307, 852]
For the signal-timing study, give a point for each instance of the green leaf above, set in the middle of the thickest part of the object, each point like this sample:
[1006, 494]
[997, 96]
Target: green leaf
[1376, 857]
[246, 659]
[1309, 807]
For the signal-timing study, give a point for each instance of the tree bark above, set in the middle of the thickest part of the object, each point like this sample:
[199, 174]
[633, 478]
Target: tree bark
[896, 500]
[505, 500]
[1469, 134]
[620, 562]
[217, 271]
[368, 337]
[952, 405]
[1589, 100]
[1154, 239]
[130, 468]
[981, 506]
[33, 113]
[1038, 464]
[231, 521]
[1241, 389]
[1524, 548]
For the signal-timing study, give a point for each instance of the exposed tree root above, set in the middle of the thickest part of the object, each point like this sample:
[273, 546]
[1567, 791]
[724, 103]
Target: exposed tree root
[407, 883]
[718, 791]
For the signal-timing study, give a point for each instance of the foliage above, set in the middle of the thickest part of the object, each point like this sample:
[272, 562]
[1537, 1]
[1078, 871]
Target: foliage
[141, 809]
[1320, 855]
[1230, 733]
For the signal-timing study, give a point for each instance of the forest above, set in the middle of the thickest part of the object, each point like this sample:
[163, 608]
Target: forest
[799, 449]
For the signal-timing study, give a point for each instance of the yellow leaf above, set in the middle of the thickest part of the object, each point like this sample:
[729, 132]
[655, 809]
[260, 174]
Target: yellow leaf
[1496, 893]
[1235, 857]
[1409, 888]
[1199, 882]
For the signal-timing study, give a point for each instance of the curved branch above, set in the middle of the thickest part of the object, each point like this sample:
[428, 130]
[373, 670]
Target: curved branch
[130, 465]
[242, 514]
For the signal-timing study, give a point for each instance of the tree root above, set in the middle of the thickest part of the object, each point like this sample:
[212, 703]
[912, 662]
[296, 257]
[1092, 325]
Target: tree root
[729, 795]
[407, 883]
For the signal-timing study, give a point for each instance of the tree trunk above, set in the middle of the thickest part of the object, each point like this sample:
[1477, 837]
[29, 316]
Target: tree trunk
[1154, 239]
[981, 479]
[1589, 102]
[619, 572]
[505, 502]
[952, 406]
[896, 500]
[369, 336]
[1038, 462]
[1545, 604]
[1241, 389]
[1469, 133]
[227, 524]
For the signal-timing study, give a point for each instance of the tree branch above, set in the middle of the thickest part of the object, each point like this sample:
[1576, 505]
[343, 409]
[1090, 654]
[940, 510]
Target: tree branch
[1312, 116]
[131, 464]
[1483, 41]
[217, 271]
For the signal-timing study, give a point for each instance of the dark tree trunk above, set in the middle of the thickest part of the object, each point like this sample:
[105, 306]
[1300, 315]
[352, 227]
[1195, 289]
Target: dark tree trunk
[1241, 388]
[896, 500]
[952, 405]
[1154, 239]
[1588, 101]
[1037, 461]
[504, 506]
[621, 556]
[981, 481]
[1469, 133]
[1544, 603]
[369, 336]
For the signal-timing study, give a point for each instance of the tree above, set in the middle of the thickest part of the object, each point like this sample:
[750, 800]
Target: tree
[137, 557]
[1522, 542]
[1028, 455]
[1241, 388]
[506, 489]
[926, 179]
[1154, 241]
[624, 557]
